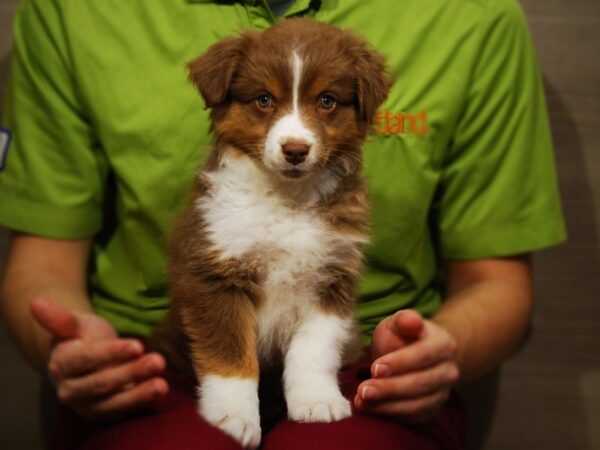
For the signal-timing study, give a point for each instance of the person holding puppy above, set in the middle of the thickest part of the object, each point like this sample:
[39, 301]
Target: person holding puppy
[108, 134]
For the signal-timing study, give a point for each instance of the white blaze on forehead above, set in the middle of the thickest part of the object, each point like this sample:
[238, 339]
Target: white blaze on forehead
[297, 71]
[290, 127]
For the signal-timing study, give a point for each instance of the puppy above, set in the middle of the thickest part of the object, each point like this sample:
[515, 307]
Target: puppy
[265, 259]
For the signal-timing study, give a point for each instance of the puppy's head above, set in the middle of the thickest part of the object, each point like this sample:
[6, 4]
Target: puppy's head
[299, 97]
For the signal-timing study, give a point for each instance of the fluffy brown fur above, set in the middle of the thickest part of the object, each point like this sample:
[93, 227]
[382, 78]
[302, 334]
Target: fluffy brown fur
[215, 300]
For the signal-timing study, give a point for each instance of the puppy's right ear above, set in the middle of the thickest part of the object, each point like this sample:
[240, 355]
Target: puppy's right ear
[213, 71]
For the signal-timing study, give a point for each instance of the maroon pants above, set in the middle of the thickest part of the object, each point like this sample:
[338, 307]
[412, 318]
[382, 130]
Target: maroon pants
[175, 425]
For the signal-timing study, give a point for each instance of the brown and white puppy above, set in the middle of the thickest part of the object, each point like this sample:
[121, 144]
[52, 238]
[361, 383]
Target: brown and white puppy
[265, 259]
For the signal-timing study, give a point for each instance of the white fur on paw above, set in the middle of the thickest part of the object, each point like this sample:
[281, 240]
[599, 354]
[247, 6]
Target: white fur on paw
[243, 429]
[231, 404]
[322, 409]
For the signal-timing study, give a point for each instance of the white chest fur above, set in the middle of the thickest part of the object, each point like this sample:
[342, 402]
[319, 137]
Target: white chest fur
[248, 216]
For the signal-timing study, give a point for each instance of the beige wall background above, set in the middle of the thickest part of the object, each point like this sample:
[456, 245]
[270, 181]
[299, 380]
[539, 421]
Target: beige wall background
[548, 396]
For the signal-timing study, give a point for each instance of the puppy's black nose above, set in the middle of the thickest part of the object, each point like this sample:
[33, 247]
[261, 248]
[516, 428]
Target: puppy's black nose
[295, 152]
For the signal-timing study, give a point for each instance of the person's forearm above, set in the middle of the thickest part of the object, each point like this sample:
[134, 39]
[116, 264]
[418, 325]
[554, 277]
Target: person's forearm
[488, 316]
[39, 267]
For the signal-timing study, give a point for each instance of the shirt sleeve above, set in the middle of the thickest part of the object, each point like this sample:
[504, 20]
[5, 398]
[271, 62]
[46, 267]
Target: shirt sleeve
[52, 182]
[498, 189]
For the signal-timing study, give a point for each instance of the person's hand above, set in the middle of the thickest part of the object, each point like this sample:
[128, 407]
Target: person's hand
[98, 374]
[413, 371]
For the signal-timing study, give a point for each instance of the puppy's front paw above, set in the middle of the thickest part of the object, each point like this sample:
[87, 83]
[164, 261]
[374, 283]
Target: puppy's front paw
[312, 408]
[231, 404]
[245, 430]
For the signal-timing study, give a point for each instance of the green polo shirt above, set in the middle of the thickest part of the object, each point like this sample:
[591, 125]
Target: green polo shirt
[108, 134]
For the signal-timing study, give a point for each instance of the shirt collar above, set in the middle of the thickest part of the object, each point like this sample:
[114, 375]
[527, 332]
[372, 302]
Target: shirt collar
[305, 4]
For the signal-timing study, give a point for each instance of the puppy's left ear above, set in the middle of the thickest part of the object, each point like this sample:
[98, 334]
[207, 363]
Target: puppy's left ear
[373, 82]
[213, 71]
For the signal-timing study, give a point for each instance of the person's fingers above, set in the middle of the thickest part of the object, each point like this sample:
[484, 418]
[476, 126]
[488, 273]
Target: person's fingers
[411, 385]
[396, 331]
[413, 411]
[138, 397]
[76, 357]
[421, 354]
[56, 319]
[73, 391]
[407, 324]
[94, 327]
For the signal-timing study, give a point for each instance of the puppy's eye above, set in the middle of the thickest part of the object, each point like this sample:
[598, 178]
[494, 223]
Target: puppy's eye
[264, 101]
[327, 102]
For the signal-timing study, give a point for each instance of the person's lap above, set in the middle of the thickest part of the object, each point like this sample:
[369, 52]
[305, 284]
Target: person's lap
[175, 425]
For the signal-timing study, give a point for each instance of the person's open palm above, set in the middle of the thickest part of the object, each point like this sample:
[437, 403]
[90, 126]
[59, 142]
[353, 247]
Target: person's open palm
[413, 371]
[96, 373]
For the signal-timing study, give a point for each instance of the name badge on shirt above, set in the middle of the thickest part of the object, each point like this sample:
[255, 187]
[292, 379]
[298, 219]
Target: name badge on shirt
[4, 143]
